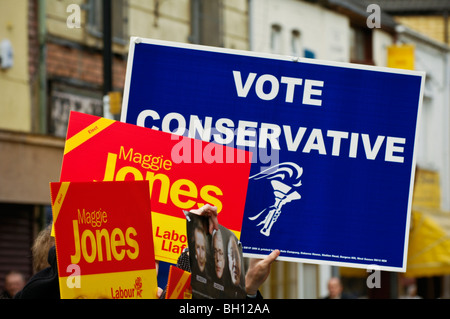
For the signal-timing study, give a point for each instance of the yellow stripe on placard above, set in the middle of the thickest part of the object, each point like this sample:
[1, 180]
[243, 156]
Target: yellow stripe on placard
[177, 290]
[134, 284]
[86, 134]
[56, 206]
[237, 233]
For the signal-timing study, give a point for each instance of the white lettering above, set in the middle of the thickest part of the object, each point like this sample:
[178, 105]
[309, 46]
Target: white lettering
[204, 131]
[353, 145]
[178, 118]
[274, 87]
[315, 142]
[291, 83]
[267, 87]
[337, 137]
[226, 130]
[310, 91]
[242, 90]
[274, 137]
[371, 153]
[242, 133]
[143, 116]
[293, 144]
[391, 148]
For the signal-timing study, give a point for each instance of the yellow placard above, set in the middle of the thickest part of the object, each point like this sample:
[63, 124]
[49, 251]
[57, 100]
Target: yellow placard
[427, 189]
[115, 102]
[141, 285]
[401, 56]
[169, 237]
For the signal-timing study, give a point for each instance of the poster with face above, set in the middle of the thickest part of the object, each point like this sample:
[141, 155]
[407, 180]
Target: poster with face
[217, 263]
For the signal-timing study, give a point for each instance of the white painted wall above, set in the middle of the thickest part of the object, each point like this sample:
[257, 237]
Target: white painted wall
[322, 32]
[433, 144]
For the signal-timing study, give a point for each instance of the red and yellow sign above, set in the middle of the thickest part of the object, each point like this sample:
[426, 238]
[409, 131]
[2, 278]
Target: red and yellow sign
[178, 284]
[183, 173]
[103, 245]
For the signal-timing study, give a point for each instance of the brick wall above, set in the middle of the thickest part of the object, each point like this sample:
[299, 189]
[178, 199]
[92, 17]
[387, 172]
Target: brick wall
[33, 63]
[33, 40]
[82, 64]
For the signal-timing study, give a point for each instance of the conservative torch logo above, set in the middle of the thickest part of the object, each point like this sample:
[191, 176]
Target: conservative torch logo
[285, 179]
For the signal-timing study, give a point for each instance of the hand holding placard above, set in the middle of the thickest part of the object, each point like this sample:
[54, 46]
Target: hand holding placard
[258, 271]
[211, 212]
[216, 260]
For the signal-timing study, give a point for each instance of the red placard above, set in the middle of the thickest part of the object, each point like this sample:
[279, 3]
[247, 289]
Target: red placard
[103, 239]
[183, 173]
[178, 284]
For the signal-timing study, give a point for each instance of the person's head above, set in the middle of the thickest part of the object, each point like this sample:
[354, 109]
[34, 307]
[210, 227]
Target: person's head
[14, 282]
[200, 247]
[40, 249]
[334, 287]
[219, 258]
[234, 261]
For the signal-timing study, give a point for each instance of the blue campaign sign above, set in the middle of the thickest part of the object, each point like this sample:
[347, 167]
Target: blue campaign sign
[333, 143]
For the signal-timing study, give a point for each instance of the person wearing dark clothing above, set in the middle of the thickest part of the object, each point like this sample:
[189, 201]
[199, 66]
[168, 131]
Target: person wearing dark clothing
[44, 284]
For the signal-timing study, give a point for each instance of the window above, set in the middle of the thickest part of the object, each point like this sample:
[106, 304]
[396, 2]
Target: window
[275, 39]
[206, 22]
[361, 45]
[119, 19]
[295, 43]
[64, 99]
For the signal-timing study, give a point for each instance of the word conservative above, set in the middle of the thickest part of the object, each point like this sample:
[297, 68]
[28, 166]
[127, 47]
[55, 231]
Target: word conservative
[295, 139]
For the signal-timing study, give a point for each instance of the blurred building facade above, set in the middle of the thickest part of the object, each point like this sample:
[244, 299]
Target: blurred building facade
[57, 55]
[54, 65]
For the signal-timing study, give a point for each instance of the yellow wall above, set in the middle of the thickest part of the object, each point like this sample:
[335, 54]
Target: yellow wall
[432, 26]
[157, 19]
[15, 105]
[56, 20]
[170, 20]
[236, 24]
